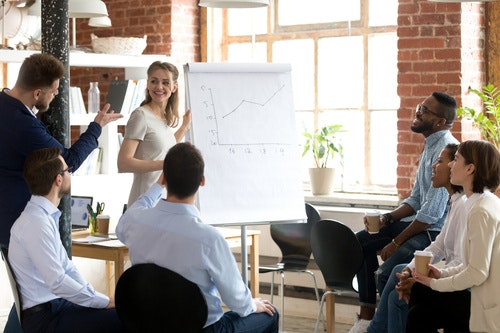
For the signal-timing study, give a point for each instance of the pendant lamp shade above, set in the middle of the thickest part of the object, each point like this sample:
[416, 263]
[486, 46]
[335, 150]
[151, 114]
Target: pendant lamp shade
[76, 8]
[234, 3]
[101, 21]
[87, 8]
[36, 8]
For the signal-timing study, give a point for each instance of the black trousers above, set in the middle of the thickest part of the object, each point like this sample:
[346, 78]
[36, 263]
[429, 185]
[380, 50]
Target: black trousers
[63, 316]
[429, 310]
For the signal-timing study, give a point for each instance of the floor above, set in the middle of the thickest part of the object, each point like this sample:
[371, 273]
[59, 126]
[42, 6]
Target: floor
[292, 324]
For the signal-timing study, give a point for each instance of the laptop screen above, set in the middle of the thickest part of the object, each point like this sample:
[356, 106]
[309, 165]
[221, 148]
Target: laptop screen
[79, 212]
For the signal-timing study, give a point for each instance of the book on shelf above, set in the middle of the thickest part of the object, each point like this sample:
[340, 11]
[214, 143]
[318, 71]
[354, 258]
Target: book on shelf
[120, 95]
[76, 104]
[139, 93]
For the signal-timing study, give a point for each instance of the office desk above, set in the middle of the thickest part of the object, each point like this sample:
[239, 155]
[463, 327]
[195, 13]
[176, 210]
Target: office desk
[115, 254]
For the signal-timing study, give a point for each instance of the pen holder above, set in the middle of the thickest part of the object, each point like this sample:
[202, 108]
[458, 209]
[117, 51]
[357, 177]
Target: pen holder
[93, 225]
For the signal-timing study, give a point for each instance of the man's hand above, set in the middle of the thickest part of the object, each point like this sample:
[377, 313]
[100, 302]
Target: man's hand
[111, 303]
[263, 305]
[404, 286]
[103, 117]
[388, 251]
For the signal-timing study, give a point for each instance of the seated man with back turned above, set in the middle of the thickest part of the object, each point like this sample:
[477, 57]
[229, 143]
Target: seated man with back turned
[172, 235]
[418, 220]
[55, 297]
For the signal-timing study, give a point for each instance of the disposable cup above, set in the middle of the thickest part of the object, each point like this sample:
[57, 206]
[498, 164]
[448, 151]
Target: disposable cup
[102, 224]
[422, 260]
[373, 221]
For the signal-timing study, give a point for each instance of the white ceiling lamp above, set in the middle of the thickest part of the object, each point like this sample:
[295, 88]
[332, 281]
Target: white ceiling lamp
[234, 3]
[101, 22]
[35, 9]
[86, 8]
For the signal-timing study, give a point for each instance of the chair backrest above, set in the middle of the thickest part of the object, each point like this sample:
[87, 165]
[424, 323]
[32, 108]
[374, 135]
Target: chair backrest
[293, 239]
[150, 298]
[13, 284]
[337, 253]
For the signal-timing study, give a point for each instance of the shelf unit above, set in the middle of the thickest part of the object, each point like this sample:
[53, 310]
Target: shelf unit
[109, 186]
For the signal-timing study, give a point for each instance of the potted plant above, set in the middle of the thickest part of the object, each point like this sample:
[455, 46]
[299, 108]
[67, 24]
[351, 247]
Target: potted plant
[324, 147]
[487, 120]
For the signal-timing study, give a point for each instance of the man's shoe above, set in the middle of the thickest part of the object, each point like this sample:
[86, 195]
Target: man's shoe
[360, 325]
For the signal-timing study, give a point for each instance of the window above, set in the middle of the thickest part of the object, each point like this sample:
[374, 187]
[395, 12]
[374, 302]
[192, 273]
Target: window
[344, 70]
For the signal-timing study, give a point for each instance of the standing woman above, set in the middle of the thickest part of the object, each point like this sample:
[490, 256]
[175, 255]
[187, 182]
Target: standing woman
[149, 134]
[477, 169]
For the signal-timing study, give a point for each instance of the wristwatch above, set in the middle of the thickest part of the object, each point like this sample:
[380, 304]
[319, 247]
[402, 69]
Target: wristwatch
[388, 218]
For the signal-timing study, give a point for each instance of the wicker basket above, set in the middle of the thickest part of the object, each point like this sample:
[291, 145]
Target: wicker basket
[118, 45]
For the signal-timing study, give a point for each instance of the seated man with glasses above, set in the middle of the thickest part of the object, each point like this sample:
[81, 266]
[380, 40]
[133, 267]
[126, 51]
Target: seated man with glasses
[418, 220]
[55, 296]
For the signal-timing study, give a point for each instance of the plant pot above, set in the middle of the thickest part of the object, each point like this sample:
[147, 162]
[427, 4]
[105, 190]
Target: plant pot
[321, 180]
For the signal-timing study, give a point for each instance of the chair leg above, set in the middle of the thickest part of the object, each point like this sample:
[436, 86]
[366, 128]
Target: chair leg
[282, 292]
[320, 312]
[272, 286]
[311, 273]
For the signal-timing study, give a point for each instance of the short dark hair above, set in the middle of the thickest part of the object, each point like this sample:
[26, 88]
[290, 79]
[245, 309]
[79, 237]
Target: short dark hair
[183, 168]
[486, 159]
[41, 168]
[447, 106]
[38, 71]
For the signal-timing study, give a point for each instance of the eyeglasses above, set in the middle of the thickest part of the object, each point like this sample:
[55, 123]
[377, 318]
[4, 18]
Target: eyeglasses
[68, 169]
[421, 109]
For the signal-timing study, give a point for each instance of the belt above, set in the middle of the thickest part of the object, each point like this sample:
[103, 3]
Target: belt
[36, 308]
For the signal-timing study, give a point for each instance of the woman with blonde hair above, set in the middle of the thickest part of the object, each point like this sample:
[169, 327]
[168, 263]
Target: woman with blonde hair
[149, 134]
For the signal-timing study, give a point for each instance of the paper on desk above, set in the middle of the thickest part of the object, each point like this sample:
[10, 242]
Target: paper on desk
[112, 243]
[89, 239]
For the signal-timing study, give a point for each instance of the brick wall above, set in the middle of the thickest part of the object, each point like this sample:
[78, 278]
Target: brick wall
[171, 27]
[441, 48]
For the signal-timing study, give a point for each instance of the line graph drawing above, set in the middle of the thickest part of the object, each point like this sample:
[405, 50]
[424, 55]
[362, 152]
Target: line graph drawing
[254, 102]
[243, 121]
[263, 115]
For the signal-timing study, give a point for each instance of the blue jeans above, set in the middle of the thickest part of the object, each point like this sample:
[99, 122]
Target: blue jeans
[372, 243]
[64, 316]
[391, 312]
[231, 322]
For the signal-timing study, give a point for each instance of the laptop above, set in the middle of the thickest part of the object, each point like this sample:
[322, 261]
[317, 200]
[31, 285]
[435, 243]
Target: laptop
[79, 212]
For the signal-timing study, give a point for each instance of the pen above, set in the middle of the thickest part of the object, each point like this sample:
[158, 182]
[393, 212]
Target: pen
[91, 211]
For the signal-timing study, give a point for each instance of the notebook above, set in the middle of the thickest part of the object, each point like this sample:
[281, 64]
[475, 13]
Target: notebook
[79, 212]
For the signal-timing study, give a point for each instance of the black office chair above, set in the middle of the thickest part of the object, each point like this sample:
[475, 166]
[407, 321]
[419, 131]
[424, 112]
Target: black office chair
[150, 298]
[339, 256]
[293, 239]
[13, 285]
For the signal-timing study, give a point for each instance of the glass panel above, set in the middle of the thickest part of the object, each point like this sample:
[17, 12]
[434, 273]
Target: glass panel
[383, 12]
[247, 21]
[382, 71]
[300, 54]
[340, 72]
[305, 121]
[351, 175]
[292, 12]
[246, 53]
[383, 152]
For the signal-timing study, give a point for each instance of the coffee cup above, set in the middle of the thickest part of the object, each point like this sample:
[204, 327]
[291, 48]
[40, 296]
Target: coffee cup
[102, 224]
[422, 260]
[373, 221]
